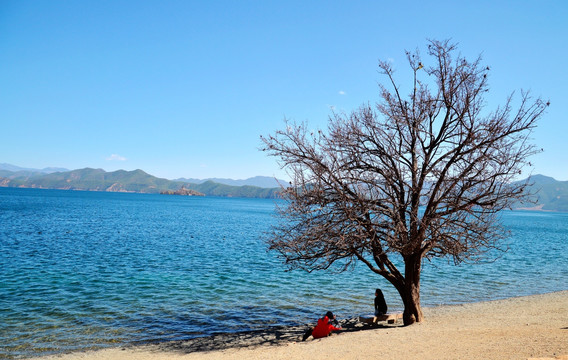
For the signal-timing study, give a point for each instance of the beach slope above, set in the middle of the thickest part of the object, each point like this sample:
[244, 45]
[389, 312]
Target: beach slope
[532, 327]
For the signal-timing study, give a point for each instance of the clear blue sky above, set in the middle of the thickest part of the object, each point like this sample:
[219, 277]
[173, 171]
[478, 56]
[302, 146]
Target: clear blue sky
[185, 88]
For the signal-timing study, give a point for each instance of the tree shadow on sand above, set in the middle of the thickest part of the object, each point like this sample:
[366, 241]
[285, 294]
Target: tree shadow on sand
[270, 336]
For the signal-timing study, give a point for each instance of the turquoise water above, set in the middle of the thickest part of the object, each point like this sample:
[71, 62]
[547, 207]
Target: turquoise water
[88, 270]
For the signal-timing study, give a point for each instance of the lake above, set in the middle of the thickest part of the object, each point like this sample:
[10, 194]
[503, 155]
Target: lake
[88, 270]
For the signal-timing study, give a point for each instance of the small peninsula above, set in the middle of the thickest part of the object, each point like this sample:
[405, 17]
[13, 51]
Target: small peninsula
[183, 191]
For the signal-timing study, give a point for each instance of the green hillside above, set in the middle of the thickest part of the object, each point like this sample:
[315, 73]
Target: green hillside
[95, 180]
[136, 181]
[549, 194]
[215, 189]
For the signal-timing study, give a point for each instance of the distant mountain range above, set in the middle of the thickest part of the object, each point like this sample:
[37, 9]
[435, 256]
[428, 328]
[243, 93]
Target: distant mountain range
[550, 194]
[258, 181]
[15, 168]
[125, 181]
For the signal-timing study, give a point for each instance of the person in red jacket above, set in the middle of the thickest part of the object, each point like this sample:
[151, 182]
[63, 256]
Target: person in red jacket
[323, 328]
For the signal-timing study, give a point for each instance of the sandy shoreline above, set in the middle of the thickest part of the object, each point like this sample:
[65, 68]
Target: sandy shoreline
[531, 327]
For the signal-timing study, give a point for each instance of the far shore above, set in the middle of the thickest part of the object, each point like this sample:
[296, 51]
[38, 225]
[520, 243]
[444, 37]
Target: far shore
[531, 327]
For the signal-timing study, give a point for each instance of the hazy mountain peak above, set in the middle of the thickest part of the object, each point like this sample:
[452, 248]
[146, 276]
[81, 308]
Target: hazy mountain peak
[542, 179]
[258, 181]
[47, 170]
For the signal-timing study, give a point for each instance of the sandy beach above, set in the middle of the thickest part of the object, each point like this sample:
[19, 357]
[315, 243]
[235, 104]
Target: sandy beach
[533, 327]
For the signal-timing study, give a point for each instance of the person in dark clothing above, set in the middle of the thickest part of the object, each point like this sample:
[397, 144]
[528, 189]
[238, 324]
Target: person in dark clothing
[380, 303]
[323, 328]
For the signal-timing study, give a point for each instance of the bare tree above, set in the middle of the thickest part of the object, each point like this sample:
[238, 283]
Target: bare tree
[411, 178]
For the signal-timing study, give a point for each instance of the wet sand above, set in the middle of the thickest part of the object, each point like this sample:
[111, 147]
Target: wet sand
[532, 327]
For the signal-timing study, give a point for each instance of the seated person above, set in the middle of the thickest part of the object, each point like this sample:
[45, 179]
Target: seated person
[323, 328]
[380, 303]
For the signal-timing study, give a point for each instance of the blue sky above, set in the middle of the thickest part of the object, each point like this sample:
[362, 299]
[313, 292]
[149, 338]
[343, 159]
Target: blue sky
[185, 88]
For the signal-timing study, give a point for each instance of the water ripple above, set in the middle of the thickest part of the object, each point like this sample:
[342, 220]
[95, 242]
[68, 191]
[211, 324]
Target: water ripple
[91, 270]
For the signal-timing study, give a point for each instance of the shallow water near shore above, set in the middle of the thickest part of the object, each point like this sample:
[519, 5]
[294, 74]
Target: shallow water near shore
[88, 270]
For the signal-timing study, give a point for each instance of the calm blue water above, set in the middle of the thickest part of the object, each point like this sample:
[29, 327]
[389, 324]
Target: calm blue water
[87, 270]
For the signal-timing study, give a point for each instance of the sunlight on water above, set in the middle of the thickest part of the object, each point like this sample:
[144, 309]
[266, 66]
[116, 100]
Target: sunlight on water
[87, 270]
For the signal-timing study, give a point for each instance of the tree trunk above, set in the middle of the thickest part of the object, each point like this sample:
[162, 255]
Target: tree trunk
[410, 293]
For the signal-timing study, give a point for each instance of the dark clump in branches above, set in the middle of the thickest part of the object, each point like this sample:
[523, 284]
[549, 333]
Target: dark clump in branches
[420, 176]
